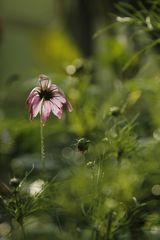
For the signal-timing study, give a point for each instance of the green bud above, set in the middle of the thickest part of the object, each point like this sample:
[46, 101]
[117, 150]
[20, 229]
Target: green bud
[83, 144]
[14, 182]
[115, 111]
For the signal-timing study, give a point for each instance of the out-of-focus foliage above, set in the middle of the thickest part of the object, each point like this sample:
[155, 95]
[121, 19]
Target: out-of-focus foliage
[102, 160]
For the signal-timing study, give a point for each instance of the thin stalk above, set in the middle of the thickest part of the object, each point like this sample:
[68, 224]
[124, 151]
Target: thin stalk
[11, 235]
[42, 146]
[109, 226]
[20, 221]
[92, 234]
[23, 230]
[95, 235]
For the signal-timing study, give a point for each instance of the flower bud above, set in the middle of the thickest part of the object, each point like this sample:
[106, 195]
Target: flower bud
[14, 182]
[83, 144]
[115, 111]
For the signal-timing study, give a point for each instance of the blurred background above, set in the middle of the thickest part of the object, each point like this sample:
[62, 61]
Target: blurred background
[57, 39]
[103, 54]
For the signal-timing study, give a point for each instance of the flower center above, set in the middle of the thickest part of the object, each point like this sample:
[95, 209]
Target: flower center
[45, 94]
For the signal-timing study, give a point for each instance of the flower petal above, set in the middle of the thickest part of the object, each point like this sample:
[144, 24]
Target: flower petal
[46, 110]
[54, 88]
[32, 94]
[56, 111]
[44, 82]
[56, 102]
[60, 98]
[36, 108]
[31, 99]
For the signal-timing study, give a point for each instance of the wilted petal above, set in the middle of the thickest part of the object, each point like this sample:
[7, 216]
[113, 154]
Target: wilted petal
[57, 111]
[60, 98]
[43, 77]
[54, 88]
[46, 110]
[36, 89]
[32, 103]
[56, 102]
[33, 93]
[36, 108]
[44, 82]
[31, 99]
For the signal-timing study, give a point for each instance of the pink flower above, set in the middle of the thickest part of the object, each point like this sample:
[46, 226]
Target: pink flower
[47, 98]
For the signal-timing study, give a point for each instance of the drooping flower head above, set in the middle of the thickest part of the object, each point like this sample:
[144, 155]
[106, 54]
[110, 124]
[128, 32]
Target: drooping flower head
[47, 98]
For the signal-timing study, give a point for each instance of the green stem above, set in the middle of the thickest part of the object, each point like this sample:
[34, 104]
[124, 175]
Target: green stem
[19, 220]
[94, 235]
[97, 236]
[42, 146]
[109, 225]
[12, 231]
[23, 230]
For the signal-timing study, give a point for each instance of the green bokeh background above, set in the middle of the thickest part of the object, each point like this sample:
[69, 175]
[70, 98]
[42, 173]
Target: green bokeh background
[93, 58]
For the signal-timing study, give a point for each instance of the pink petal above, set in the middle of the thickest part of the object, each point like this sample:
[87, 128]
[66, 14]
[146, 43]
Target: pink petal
[36, 108]
[46, 110]
[53, 88]
[43, 77]
[32, 94]
[56, 102]
[35, 100]
[60, 98]
[44, 82]
[36, 89]
[56, 111]
[30, 100]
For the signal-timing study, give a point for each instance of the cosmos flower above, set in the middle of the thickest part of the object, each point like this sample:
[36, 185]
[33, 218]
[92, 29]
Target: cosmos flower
[47, 98]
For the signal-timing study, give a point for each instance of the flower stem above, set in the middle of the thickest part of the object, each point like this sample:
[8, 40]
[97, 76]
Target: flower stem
[42, 147]
[109, 225]
[23, 231]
